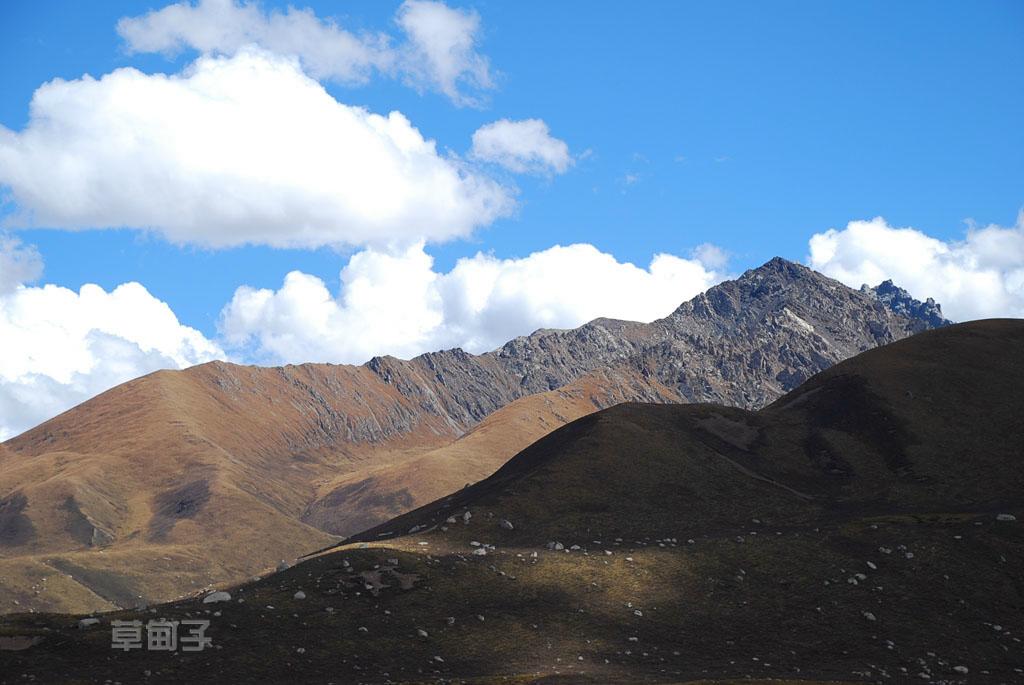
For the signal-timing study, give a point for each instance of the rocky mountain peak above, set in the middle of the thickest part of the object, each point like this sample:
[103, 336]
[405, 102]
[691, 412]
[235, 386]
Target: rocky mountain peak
[903, 303]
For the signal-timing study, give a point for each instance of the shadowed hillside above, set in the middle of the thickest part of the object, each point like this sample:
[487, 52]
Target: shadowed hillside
[180, 480]
[863, 528]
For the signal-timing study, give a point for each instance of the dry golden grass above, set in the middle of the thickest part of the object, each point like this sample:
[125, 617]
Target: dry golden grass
[180, 480]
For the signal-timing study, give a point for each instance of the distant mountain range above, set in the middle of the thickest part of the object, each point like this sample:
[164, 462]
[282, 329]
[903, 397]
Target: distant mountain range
[183, 479]
[864, 527]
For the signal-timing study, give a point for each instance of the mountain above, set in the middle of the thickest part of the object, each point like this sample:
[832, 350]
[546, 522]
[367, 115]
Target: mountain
[865, 527]
[179, 480]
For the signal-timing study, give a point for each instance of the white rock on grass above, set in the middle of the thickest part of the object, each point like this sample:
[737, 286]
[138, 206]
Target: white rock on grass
[506, 524]
[217, 596]
[300, 595]
[1006, 517]
[480, 552]
[88, 623]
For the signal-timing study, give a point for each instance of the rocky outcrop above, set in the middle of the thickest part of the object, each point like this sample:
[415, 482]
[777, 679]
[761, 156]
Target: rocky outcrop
[742, 343]
[928, 313]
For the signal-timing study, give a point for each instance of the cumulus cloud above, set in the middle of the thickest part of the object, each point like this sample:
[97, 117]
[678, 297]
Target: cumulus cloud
[439, 50]
[235, 150]
[978, 277]
[61, 347]
[18, 264]
[525, 146]
[398, 304]
[711, 255]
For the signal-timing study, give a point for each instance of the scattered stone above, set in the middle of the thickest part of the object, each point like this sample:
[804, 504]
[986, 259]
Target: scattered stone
[480, 552]
[963, 670]
[506, 524]
[300, 595]
[868, 615]
[421, 632]
[283, 566]
[85, 623]
[1006, 517]
[218, 596]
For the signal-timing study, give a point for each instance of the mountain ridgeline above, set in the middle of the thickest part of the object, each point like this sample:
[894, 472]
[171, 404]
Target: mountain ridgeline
[218, 471]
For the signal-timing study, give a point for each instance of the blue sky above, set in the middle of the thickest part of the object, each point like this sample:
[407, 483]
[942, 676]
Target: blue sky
[751, 126]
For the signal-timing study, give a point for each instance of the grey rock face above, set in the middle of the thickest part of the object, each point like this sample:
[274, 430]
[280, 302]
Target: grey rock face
[742, 343]
[928, 313]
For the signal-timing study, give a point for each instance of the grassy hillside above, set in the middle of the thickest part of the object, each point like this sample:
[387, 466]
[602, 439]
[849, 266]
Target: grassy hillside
[864, 528]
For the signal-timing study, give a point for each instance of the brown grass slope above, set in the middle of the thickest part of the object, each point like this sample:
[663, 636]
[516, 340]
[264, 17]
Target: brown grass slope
[854, 531]
[932, 421]
[379, 494]
[198, 486]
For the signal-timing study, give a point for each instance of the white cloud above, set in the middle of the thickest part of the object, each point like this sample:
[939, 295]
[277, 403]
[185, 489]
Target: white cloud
[525, 146]
[978, 277]
[18, 264]
[442, 50]
[439, 51]
[398, 304]
[61, 347]
[711, 255]
[246, 149]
